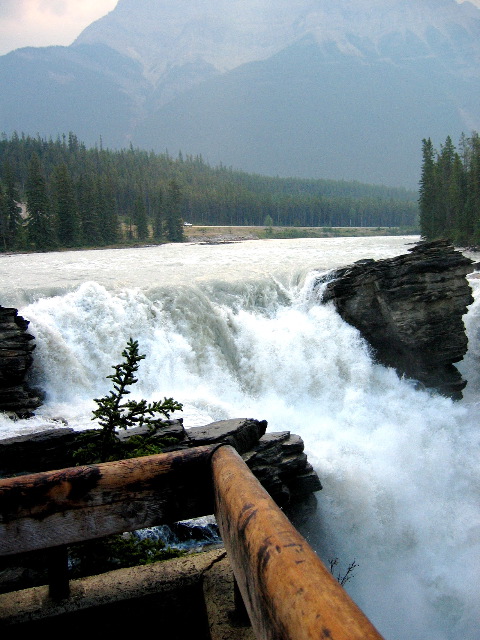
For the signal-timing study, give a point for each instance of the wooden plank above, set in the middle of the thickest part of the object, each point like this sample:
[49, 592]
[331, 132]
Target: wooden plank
[59, 507]
[288, 592]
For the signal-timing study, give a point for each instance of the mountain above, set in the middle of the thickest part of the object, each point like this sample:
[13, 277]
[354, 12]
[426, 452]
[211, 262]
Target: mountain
[308, 88]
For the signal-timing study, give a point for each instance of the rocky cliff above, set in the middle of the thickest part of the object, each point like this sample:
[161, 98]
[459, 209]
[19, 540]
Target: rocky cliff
[220, 35]
[16, 347]
[410, 308]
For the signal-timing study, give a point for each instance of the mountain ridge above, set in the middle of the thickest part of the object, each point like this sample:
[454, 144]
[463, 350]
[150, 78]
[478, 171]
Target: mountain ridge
[270, 27]
[362, 83]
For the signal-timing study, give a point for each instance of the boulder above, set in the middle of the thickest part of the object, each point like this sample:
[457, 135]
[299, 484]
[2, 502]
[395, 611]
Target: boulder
[278, 461]
[410, 310]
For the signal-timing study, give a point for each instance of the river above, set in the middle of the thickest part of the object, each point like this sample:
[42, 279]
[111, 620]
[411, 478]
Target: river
[235, 330]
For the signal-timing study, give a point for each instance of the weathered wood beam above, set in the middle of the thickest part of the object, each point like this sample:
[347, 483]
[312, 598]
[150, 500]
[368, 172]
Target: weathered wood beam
[50, 509]
[288, 592]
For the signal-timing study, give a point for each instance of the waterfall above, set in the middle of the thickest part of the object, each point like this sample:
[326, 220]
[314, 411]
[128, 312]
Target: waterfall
[398, 465]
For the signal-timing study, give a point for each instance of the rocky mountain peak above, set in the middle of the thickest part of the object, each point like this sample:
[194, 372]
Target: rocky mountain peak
[224, 34]
[309, 88]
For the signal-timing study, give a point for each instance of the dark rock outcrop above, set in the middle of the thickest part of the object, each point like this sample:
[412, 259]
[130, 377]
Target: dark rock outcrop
[409, 309]
[16, 346]
[276, 459]
[242, 434]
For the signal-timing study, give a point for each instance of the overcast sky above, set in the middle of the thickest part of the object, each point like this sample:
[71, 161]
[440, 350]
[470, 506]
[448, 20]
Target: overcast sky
[38, 23]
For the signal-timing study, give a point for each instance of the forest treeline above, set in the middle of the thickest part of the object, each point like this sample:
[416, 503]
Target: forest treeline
[58, 193]
[450, 191]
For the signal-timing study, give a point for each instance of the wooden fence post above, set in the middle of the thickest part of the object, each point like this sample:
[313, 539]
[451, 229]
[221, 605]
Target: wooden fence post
[58, 580]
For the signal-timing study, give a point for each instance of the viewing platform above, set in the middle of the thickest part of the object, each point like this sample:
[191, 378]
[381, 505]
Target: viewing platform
[265, 583]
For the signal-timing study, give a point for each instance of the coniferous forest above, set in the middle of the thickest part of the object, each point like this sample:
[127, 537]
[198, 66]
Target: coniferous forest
[59, 194]
[450, 191]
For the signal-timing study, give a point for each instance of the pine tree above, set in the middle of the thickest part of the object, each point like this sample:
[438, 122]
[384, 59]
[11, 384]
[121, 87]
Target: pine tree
[88, 209]
[140, 217]
[457, 224]
[428, 193]
[450, 191]
[40, 224]
[68, 219]
[14, 221]
[3, 219]
[473, 188]
[115, 412]
[107, 210]
[158, 218]
[174, 222]
[445, 188]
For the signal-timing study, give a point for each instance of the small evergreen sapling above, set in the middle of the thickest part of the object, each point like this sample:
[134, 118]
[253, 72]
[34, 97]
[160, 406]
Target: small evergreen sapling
[97, 556]
[115, 412]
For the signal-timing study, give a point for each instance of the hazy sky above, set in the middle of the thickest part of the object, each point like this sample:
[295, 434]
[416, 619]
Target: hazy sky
[38, 23]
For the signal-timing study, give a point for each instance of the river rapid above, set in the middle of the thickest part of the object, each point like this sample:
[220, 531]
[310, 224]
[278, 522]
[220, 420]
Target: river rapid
[236, 330]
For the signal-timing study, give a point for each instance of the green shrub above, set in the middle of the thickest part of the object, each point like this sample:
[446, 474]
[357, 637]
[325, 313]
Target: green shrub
[116, 552]
[115, 412]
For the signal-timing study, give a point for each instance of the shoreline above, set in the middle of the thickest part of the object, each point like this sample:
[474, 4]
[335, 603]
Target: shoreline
[210, 235]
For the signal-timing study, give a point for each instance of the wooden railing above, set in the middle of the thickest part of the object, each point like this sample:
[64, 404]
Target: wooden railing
[287, 591]
[53, 509]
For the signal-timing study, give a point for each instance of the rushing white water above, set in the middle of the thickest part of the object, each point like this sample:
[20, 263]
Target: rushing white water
[235, 331]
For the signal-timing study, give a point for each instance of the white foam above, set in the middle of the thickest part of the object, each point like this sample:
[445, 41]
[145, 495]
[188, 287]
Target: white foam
[399, 466]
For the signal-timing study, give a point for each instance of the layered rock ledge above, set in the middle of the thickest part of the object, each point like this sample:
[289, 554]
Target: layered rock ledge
[410, 310]
[276, 459]
[16, 347]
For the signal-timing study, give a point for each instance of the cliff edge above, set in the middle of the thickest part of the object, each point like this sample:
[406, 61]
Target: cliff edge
[410, 310]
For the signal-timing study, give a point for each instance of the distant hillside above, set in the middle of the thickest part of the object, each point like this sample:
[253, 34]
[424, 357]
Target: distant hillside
[298, 114]
[105, 197]
[303, 88]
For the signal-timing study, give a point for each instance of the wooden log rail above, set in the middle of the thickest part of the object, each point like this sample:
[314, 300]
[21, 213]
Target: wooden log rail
[287, 591]
[53, 509]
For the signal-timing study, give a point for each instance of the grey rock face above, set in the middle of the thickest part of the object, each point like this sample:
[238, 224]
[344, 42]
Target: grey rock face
[409, 309]
[226, 34]
[16, 347]
[241, 434]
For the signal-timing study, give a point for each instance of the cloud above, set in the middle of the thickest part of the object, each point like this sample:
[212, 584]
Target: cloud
[55, 7]
[40, 23]
[12, 8]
